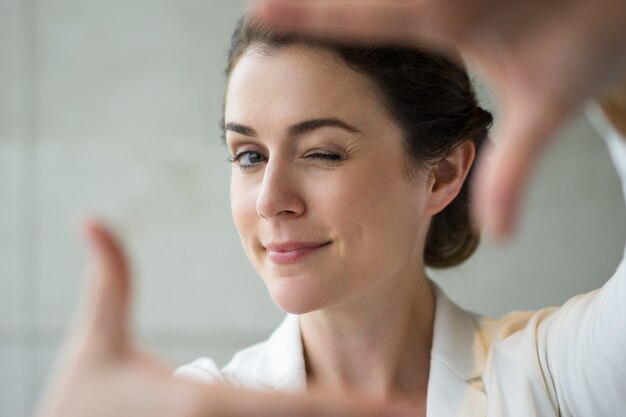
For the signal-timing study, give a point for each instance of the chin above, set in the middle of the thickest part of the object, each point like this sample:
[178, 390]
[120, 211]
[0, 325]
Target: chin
[295, 297]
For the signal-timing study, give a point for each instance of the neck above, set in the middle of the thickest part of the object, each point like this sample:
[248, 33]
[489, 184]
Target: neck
[378, 345]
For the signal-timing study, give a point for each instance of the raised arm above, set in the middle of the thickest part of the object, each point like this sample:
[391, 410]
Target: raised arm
[583, 345]
[568, 361]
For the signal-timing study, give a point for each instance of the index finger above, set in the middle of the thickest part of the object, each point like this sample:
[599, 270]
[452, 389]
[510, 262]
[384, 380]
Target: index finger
[360, 21]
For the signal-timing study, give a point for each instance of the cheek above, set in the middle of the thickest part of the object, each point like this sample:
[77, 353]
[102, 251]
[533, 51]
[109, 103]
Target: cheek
[377, 216]
[243, 208]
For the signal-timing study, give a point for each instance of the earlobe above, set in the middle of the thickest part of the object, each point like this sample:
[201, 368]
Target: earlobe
[449, 174]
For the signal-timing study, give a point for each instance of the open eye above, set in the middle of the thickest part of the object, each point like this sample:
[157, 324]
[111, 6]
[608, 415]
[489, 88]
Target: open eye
[247, 159]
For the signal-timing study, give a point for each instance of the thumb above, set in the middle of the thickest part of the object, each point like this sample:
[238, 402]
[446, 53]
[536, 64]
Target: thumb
[105, 314]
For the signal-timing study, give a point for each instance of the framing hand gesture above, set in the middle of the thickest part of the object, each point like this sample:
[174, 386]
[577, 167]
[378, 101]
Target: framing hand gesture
[103, 374]
[544, 59]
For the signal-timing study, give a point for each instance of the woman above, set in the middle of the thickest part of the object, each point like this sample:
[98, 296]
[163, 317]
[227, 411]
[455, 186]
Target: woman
[369, 318]
[350, 175]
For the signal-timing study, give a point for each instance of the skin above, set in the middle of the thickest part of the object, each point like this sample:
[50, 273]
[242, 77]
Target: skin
[364, 297]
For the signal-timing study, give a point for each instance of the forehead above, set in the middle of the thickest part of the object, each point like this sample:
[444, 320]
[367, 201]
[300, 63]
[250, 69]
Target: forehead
[296, 83]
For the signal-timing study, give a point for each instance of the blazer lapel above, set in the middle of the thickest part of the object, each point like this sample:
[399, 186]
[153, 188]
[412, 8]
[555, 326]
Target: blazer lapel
[458, 358]
[280, 366]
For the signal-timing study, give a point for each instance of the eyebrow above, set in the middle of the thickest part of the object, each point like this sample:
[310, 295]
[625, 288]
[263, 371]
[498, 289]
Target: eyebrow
[297, 129]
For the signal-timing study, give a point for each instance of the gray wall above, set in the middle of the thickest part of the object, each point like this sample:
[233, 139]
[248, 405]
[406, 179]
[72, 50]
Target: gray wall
[112, 108]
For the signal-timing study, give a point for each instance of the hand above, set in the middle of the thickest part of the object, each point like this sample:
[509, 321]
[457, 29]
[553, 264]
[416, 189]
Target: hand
[103, 374]
[544, 58]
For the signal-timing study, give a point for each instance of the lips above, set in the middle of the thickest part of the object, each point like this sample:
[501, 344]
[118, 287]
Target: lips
[283, 253]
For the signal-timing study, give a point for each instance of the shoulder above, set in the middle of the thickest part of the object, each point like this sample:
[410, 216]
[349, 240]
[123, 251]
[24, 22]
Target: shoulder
[238, 372]
[527, 335]
[525, 350]
[276, 363]
[516, 341]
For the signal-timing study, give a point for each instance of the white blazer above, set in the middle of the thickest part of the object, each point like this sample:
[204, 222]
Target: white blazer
[567, 361]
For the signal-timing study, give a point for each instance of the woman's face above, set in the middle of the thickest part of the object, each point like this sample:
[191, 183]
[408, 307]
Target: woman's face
[320, 190]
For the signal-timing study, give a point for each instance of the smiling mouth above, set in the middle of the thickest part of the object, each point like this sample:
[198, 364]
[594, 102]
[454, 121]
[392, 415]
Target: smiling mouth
[292, 252]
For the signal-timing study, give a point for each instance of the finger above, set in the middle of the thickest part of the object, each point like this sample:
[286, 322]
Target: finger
[226, 402]
[505, 169]
[108, 286]
[362, 21]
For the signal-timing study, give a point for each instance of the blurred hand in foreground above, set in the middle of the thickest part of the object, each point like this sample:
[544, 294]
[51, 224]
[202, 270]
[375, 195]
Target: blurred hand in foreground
[102, 374]
[544, 58]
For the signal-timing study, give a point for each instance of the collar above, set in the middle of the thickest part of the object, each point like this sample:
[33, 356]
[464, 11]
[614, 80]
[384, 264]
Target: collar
[280, 365]
[458, 357]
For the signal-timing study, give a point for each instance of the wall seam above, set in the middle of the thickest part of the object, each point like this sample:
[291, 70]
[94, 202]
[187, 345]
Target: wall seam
[27, 185]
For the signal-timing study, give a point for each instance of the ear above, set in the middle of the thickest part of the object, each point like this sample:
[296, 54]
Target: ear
[448, 175]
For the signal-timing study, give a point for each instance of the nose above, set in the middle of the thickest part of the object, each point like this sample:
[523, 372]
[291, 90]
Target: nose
[279, 194]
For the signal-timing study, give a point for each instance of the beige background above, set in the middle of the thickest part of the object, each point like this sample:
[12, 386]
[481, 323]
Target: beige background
[112, 107]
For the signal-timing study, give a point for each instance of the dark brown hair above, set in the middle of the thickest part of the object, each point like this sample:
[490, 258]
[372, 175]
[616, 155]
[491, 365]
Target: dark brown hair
[431, 99]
